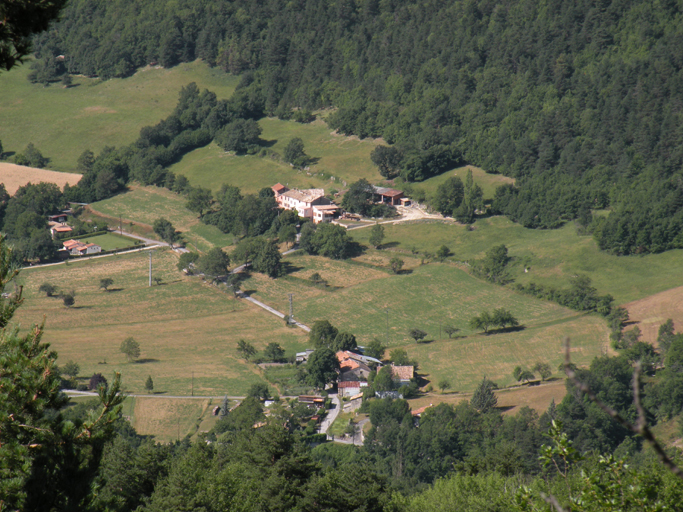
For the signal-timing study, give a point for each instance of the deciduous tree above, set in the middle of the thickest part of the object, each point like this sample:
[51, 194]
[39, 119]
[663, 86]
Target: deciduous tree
[322, 367]
[105, 283]
[376, 235]
[130, 348]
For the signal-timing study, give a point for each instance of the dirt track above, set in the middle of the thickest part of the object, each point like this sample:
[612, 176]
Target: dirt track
[15, 176]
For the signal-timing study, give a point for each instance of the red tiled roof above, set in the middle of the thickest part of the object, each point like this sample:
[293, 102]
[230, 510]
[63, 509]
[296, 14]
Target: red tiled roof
[278, 188]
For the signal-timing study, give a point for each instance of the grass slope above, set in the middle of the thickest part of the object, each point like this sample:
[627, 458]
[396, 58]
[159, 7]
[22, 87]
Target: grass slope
[110, 241]
[143, 205]
[345, 158]
[429, 297]
[488, 182]
[552, 255]
[92, 113]
[183, 326]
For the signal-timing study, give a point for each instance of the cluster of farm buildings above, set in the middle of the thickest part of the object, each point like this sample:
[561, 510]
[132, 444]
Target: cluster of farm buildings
[355, 368]
[59, 227]
[312, 204]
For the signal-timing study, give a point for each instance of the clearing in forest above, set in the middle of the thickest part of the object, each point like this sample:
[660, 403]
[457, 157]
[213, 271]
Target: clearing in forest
[93, 113]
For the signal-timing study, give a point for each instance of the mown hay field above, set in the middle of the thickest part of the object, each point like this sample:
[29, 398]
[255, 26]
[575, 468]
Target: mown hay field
[651, 312]
[183, 325]
[93, 113]
[14, 176]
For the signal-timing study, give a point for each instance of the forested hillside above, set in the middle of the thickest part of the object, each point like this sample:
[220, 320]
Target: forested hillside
[580, 101]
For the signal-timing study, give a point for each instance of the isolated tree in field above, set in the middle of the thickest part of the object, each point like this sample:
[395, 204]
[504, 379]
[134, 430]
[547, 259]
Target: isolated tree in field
[471, 201]
[482, 322]
[149, 384]
[520, 374]
[268, 260]
[543, 369]
[130, 348]
[214, 263]
[294, 153]
[375, 349]
[157, 280]
[387, 159]
[396, 264]
[322, 333]
[71, 369]
[376, 235]
[96, 381]
[105, 283]
[259, 390]
[48, 289]
[417, 334]
[246, 349]
[199, 200]
[493, 267]
[274, 352]
[448, 196]
[484, 399]
[450, 330]
[234, 283]
[503, 318]
[316, 278]
[166, 231]
[69, 298]
[287, 234]
[443, 252]
[444, 384]
[321, 368]
[186, 260]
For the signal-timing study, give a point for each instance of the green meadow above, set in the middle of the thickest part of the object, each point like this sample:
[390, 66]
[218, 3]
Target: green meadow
[366, 300]
[187, 330]
[93, 113]
[144, 205]
[109, 241]
[346, 159]
[552, 257]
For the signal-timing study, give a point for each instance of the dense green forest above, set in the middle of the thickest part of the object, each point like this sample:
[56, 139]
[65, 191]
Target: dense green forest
[579, 101]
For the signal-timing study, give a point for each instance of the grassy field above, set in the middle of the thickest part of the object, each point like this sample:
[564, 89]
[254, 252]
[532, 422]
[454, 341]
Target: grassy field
[488, 182]
[429, 297]
[183, 326]
[91, 114]
[553, 256]
[653, 311]
[345, 158]
[109, 241]
[14, 176]
[143, 205]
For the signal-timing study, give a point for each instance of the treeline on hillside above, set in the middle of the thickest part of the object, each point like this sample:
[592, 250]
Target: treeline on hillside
[579, 101]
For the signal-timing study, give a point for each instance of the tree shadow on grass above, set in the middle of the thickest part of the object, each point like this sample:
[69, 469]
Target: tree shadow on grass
[267, 143]
[248, 293]
[355, 249]
[146, 360]
[507, 329]
[81, 307]
[110, 290]
[404, 272]
[505, 408]
[389, 245]
[290, 268]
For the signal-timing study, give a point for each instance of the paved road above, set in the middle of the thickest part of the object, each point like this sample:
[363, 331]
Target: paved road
[147, 248]
[271, 310]
[331, 414]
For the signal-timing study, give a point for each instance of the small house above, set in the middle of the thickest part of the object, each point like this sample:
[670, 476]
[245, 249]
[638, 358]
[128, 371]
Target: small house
[302, 357]
[350, 388]
[78, 248]
[60, 229]
[387, 195]
[402, 374]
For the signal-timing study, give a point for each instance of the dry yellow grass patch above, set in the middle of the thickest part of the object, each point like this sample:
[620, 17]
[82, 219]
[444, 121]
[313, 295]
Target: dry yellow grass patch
[15, 176]
[168, 419]
[537, 398]
[653, 311]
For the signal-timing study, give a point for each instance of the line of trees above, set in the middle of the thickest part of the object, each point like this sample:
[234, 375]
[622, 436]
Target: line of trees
[499, 317]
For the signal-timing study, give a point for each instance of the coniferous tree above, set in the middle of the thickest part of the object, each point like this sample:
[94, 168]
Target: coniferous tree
[484, 399]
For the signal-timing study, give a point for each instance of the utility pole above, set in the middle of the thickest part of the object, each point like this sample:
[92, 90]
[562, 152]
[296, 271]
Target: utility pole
[120, 226]
[192, 383]
[150, 269]
[387, 326]
[291, 308]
